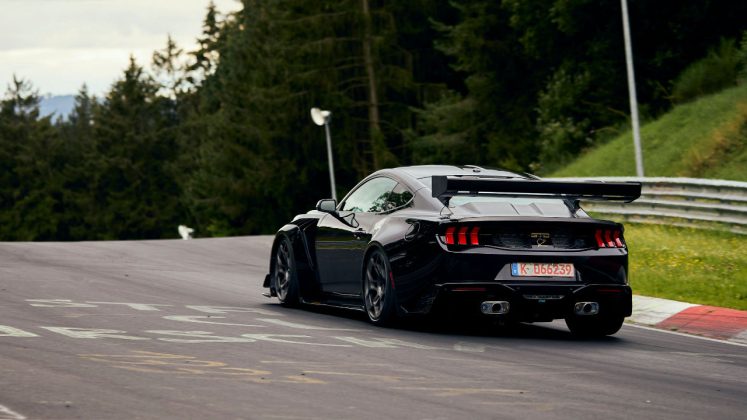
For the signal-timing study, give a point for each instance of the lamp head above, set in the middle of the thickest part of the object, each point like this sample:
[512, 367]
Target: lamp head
[320, 116]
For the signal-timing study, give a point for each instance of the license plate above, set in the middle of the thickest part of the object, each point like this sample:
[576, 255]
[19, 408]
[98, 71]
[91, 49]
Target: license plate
[542, 270]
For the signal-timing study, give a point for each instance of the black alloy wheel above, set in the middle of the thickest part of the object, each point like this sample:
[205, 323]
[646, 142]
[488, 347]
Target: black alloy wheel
[285, 276]
[378, 293]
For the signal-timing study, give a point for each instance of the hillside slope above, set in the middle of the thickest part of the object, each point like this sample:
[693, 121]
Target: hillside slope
[706, 138]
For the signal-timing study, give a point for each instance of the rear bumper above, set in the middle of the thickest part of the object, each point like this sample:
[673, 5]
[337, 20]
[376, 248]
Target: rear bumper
[431, 277]
[530, 302]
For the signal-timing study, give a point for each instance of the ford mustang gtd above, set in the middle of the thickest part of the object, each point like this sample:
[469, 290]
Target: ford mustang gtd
[494, 243]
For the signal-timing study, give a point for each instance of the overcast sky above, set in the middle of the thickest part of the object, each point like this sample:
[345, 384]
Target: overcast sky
[60, 44]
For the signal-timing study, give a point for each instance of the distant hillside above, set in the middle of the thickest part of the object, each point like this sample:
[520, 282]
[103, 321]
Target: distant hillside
[706, 138]
[60, 106]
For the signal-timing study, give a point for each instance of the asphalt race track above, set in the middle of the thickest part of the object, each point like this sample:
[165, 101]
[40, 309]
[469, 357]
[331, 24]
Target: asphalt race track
[179, 329]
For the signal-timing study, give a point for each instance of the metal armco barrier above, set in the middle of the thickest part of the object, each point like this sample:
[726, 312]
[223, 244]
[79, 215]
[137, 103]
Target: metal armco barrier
[701, 203]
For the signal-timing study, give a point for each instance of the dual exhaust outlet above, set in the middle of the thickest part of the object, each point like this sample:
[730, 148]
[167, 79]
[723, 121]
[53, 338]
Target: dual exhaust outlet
[495, 307]
[586, 308]
[501, 307]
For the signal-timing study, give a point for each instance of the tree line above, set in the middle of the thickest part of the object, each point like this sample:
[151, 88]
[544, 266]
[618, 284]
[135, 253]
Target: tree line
[220, 139]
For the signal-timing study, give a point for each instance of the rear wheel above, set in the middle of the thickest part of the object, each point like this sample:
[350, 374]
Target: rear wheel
[378, 293]
[285, 276]
[594, 325]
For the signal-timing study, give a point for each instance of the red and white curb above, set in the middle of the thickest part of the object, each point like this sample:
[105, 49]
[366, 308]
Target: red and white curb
[707, 321]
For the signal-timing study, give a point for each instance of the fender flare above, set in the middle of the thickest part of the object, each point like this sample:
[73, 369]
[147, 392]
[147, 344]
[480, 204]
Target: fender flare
[300, 247]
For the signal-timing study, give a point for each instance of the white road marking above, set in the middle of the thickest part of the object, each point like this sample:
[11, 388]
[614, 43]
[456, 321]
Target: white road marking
[8, 414]
[6, 331]
[283, 338]
[740, 338]
[387, 343]
[469, 347]
[377, 377]
[58, 303]
[227, 309]
[199, 319]
[303, 326]
[455, 392]
[136, 306]
[92, 333]
[198, 337]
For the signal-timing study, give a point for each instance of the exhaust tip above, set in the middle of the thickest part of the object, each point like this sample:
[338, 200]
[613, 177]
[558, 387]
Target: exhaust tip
[495, 307]
[586, 308]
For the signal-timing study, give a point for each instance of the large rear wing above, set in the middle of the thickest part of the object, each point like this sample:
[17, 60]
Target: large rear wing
[445, 187]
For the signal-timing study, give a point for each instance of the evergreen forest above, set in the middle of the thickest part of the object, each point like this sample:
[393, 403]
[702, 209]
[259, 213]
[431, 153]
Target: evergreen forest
[219, 138]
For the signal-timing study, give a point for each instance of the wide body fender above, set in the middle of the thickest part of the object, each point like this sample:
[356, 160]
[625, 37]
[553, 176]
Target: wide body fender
[300, 233]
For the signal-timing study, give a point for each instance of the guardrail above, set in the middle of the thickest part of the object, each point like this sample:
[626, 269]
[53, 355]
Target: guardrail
[700, 203]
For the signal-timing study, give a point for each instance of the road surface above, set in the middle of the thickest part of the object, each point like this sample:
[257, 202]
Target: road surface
[179, 329]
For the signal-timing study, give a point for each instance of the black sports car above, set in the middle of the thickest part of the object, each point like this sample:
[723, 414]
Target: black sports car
[413, 240]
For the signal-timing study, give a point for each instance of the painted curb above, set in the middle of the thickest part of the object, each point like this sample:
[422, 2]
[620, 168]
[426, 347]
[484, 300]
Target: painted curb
[707, 321]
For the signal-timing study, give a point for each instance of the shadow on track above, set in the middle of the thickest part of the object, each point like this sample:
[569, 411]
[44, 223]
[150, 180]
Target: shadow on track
[451, 325]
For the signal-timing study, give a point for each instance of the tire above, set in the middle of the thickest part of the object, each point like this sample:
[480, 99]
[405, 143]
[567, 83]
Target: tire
[285, 273]
[594, 326]
[378, 293]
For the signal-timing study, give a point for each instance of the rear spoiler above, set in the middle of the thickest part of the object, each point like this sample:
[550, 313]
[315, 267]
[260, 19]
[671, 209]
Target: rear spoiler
[445, 187]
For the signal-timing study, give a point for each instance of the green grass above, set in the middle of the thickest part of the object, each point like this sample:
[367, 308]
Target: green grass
[689, 265]
[706, 138]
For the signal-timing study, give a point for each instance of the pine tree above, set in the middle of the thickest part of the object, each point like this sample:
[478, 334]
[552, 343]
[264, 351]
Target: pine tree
[234, 168]
[491, 121]
[205, 58]
[78, 150]
[170, 70]
[29, 150]
[134, 195]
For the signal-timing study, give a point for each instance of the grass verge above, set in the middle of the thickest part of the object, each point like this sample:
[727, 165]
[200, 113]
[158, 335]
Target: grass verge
[689, 265]
[706, 138]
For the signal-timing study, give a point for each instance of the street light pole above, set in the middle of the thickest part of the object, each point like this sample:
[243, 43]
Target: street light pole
[329, 159]
[632, 91]
[322, 117]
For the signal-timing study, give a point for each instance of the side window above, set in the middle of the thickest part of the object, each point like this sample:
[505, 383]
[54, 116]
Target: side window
[371, 197]
[399, 196]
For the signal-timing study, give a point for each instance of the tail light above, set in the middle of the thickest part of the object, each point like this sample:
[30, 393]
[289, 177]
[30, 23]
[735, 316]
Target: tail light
[450, 235]
[609, 238]
[464, 235]
[474, 236]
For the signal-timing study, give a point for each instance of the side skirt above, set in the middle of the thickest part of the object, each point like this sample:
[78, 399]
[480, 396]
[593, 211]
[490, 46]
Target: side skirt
[336, 302]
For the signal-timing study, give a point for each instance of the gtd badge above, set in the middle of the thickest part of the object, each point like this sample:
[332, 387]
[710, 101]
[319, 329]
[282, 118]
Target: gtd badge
[540, 237]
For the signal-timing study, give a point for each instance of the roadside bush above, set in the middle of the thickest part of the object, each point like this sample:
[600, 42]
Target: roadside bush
[717, 71]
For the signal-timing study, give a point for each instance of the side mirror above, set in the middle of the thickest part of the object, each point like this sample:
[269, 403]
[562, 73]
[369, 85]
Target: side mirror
[328, 205]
